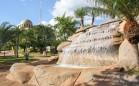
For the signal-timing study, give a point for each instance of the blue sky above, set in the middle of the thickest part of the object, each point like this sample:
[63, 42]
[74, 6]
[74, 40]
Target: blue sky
[14, 11]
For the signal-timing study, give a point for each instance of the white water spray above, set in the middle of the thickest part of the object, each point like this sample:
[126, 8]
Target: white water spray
[92, 48]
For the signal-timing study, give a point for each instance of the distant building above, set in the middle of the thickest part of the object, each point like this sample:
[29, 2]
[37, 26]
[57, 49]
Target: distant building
[25, 24]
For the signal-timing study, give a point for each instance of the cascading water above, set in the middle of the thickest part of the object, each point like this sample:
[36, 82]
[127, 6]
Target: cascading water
[92, 48]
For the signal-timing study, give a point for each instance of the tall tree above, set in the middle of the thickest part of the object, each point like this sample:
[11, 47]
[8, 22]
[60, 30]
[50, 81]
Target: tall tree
[6, 33]
[98, 11]
[41, 36]
[65, 27]
[91, 12]
[26, 35]
[15, 41]
[80, 13]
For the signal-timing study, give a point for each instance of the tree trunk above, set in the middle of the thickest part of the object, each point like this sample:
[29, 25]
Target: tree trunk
[41, 50]
[16, 55]
[24, 49]
[34, 49]
[4, 53]
[82, 22]
[93, 20]
[131, 31]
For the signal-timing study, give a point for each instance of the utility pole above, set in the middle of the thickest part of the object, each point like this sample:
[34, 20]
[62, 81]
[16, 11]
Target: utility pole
[40, 11]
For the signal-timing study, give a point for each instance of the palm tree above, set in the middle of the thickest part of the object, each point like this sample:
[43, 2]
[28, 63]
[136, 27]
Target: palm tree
[92, 13]
[80, 13]
[16, 40]
[129, 10]
[42, 34]
[6, 33]
[66, 26]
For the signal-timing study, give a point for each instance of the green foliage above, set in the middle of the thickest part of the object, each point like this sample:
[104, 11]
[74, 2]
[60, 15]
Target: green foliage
[120, 8]
[37, 37]
[7, 46]
[7, 32]
[22, 43]
[80, 13]
[65, 27]
[131, 72]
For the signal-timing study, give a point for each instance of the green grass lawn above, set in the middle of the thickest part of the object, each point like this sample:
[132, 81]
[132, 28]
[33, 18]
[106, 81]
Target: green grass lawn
[34, 54]
[11, 59]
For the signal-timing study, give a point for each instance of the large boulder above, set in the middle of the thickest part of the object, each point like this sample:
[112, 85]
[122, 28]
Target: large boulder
[63, 45]
[45, 75]
[128, 55]
[58, 76]
[20, 72]
[54, 76]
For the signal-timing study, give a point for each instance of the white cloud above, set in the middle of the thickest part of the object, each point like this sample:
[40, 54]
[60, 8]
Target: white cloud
[44, 23]
[68, 6]
[52, 22]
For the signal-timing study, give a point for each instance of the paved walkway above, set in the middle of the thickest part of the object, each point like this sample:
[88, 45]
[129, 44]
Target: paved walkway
[7, 53]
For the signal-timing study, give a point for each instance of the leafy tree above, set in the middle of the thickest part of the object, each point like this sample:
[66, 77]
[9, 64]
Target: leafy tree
[37, 37]
[80, 13]
[6, 33]
[22, 43]
[41, 36]
[25, 37]
[65, 27]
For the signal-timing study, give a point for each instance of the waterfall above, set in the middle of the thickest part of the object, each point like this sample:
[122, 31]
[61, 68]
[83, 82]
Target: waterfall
[92, 48]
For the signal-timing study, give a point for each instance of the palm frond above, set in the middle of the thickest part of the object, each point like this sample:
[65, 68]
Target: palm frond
[126, 8]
